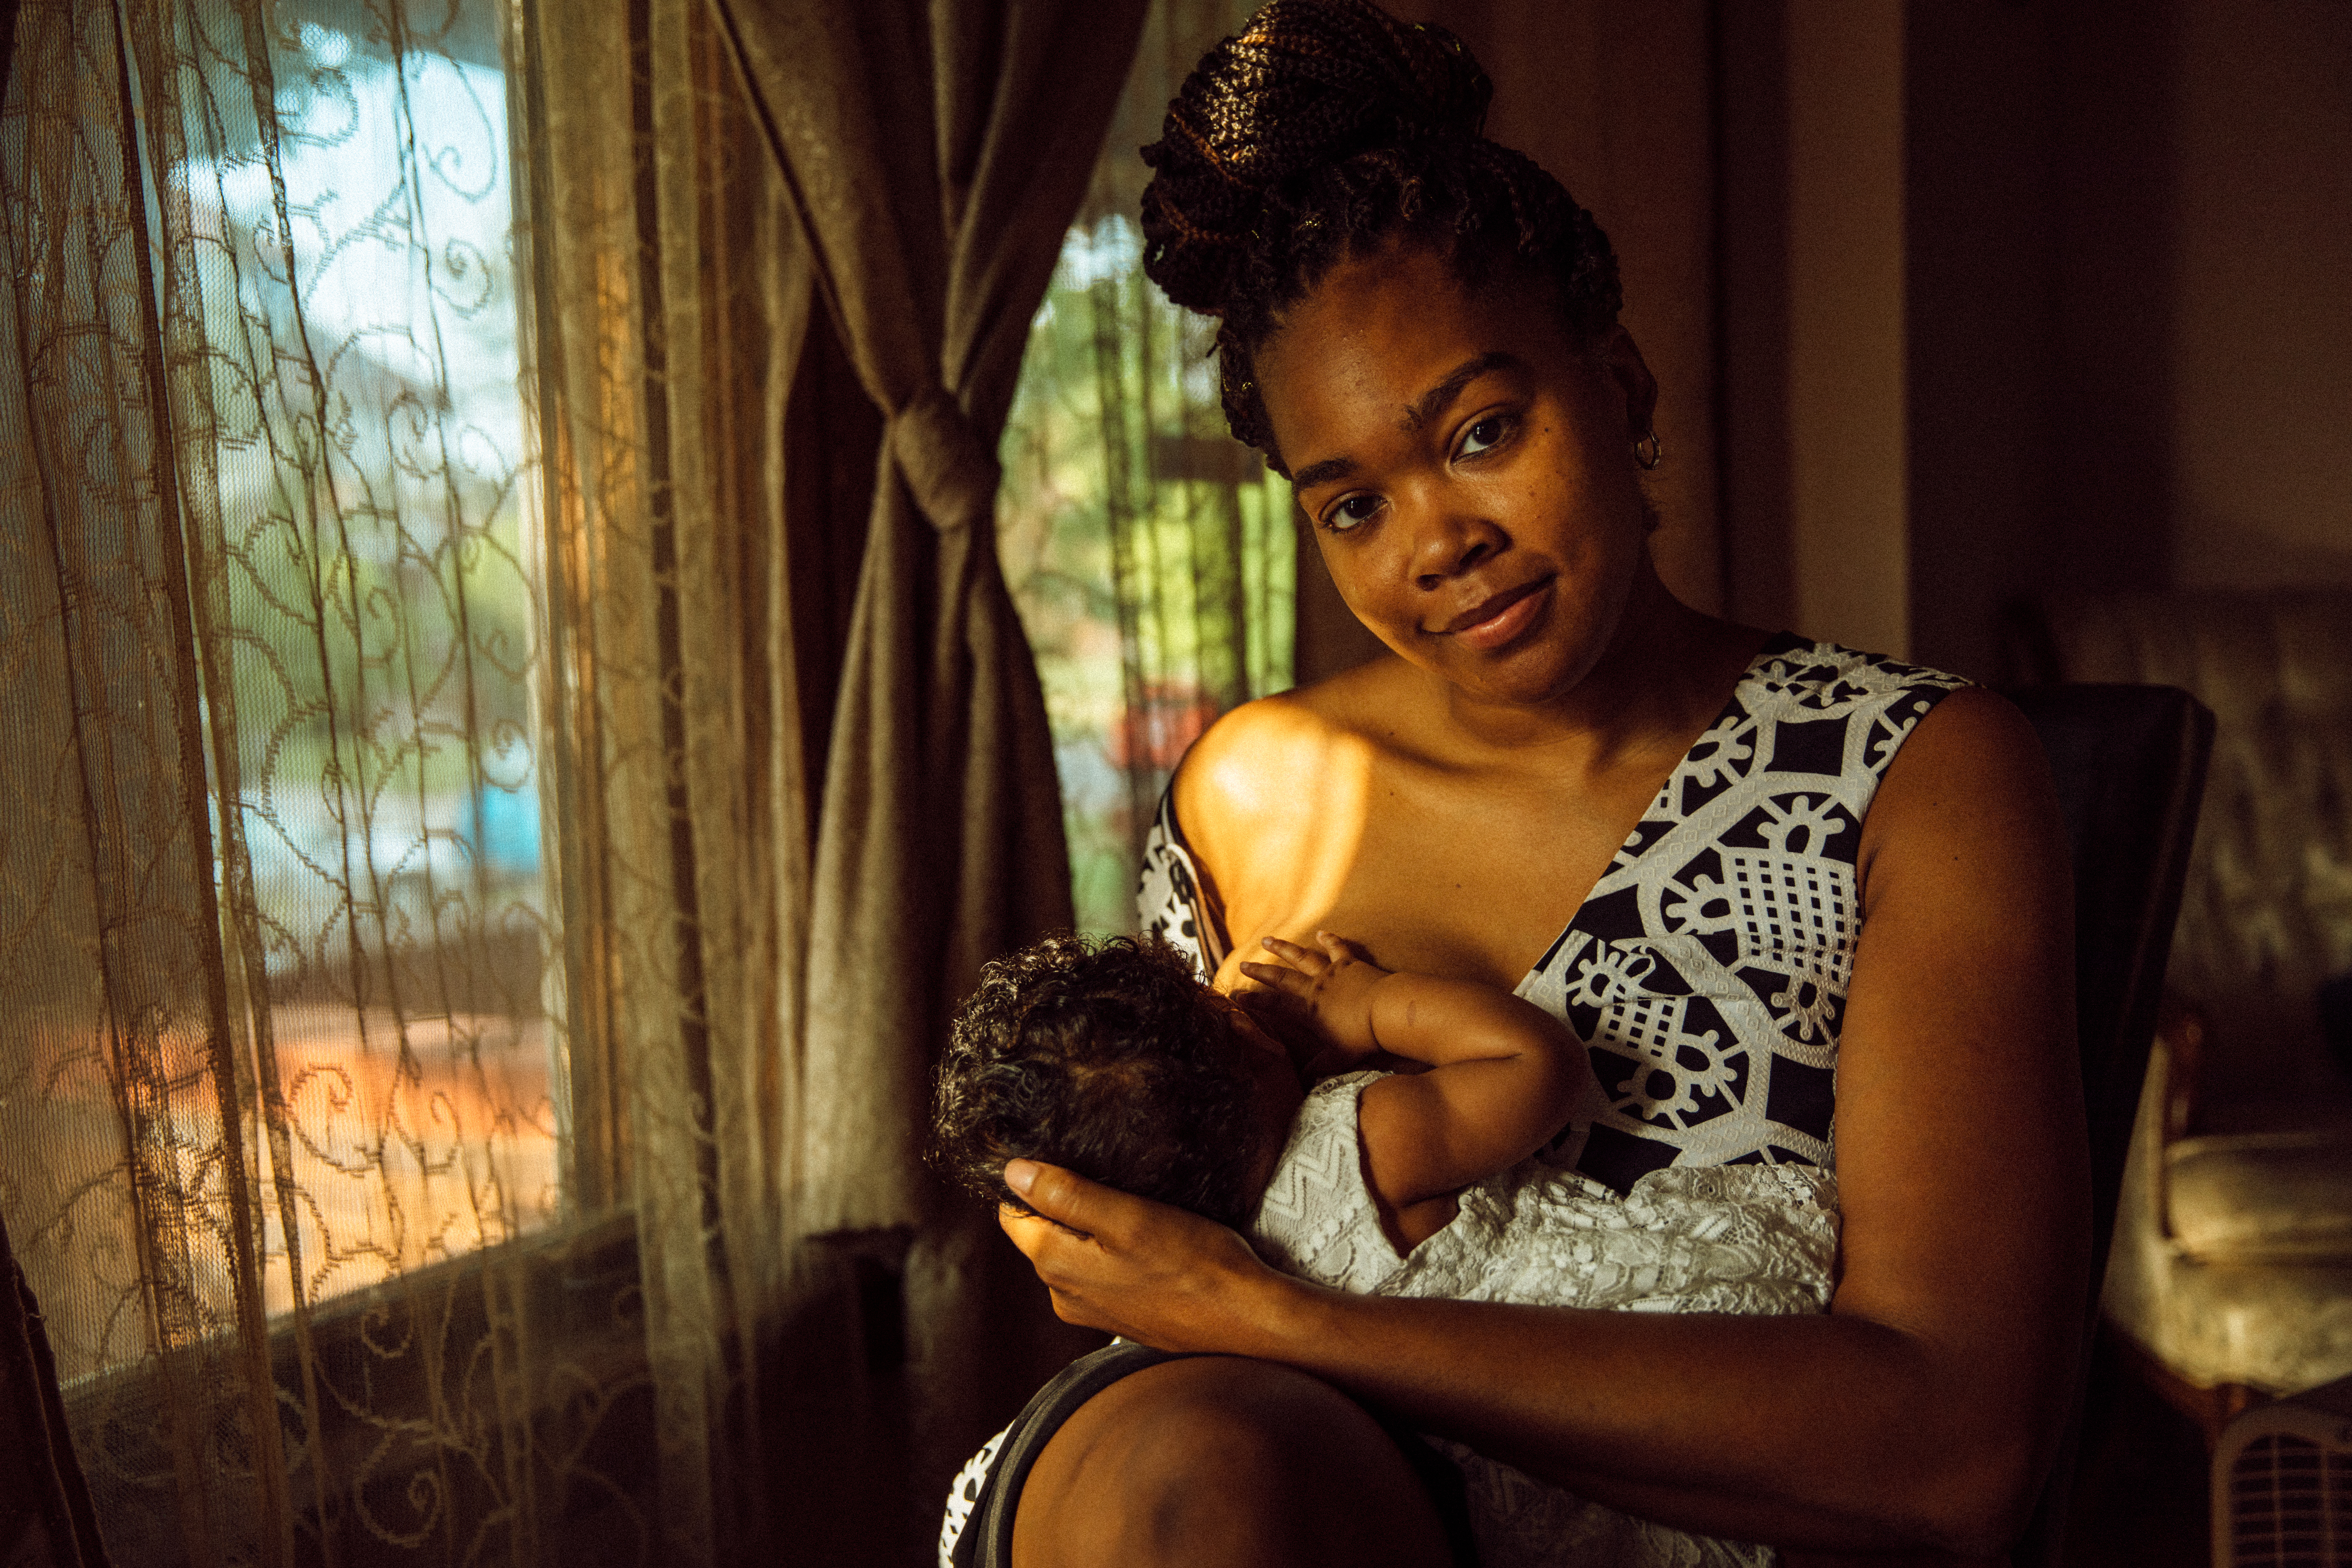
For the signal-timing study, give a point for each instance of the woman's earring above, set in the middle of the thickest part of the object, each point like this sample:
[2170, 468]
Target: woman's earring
[1646, 451]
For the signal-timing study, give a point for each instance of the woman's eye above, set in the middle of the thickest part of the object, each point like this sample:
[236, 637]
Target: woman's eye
[1485, 433]
[1349, 510]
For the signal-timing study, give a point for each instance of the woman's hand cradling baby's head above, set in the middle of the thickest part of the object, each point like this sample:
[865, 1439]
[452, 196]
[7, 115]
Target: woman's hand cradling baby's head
[1158, 1275]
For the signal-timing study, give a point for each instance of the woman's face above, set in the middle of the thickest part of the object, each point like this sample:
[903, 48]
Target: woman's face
[1467, 469]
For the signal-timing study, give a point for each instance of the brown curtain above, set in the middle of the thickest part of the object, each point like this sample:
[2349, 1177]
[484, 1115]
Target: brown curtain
[768, 960]
[935, 154]
[937, 150]
[46, 1518]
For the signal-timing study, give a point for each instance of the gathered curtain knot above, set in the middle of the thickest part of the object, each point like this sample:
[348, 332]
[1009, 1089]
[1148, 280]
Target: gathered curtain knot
[950, 470]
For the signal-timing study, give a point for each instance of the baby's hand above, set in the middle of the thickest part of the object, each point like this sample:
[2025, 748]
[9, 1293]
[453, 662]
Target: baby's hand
[1334, 986]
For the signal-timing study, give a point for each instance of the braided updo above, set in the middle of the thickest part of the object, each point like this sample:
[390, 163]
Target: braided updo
[1327, 127]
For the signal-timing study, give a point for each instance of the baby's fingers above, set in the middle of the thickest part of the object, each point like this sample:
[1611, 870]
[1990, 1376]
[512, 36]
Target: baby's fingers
[1290, 952]
[1281, 978]
[1340, 947]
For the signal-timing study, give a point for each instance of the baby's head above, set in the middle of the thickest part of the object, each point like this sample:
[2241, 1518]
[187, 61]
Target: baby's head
[1110, 1058]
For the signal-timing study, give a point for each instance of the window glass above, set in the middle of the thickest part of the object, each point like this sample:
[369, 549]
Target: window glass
[374, 762]
[1151, 554]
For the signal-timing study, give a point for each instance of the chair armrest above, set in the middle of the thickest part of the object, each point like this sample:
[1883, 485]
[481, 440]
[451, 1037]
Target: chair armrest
[2184, 1030]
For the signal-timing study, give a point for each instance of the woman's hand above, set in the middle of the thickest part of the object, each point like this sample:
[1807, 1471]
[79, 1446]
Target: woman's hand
[1149, 1272]
[1332, 989]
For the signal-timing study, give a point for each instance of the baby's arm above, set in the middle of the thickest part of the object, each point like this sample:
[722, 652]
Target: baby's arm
[1504, 1073]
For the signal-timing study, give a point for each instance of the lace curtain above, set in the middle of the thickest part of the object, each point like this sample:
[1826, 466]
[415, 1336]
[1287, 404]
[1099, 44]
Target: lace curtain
[415, 813]
[1153, 556]
[286, 1054]
[281, 1041]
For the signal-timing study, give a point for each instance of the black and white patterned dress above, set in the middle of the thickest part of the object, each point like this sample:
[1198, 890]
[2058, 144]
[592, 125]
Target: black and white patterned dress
[1707, 972]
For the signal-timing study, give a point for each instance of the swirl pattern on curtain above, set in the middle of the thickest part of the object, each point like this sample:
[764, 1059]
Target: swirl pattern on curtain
[284, 1044]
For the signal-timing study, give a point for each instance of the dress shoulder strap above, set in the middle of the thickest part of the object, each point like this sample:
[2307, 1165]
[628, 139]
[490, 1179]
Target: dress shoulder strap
[1173, 902]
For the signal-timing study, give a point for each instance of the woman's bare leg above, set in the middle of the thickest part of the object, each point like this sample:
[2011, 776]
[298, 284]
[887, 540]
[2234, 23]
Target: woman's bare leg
[1217, 1460]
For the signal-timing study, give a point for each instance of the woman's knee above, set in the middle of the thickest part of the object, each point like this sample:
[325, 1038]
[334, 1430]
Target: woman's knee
[1221, 1459]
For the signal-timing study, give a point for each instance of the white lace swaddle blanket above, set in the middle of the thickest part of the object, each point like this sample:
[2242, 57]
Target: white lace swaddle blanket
[1755, 1239]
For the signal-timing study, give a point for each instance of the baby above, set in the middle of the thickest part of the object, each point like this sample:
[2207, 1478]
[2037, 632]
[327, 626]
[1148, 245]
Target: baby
[1114, 1061]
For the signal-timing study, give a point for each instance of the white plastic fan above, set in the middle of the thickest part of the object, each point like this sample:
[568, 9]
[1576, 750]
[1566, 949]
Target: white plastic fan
[2283, 1483]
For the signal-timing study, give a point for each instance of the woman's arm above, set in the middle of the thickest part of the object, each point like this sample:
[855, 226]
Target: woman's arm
[1922, 1410]
[1504, 1072]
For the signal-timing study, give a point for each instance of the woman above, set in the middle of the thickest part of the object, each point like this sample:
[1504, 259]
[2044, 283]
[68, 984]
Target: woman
[1863, 904]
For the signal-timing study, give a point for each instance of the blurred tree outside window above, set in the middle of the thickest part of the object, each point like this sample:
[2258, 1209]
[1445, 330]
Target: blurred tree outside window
[1151, 555]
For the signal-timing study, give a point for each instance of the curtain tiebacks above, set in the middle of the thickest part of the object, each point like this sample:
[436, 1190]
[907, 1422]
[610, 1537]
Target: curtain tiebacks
[951, 472]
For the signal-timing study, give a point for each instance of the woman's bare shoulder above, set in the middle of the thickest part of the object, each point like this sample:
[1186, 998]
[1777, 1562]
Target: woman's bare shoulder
[1272, 764]
[1974, 753]
[1970, 790]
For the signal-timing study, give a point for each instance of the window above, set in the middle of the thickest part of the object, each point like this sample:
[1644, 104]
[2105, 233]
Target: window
[340, 311]
[383, 655]
[1151, 555]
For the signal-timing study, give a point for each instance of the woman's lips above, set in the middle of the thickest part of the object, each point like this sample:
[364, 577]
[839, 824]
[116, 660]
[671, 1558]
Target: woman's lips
[1497, 620]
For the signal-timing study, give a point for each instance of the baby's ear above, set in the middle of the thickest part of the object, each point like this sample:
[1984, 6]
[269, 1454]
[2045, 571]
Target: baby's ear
[1267, 1007]
[1288, 1020]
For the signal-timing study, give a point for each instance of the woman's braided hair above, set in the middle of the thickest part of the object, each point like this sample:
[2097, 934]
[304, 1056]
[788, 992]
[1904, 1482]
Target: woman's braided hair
[1327, 127]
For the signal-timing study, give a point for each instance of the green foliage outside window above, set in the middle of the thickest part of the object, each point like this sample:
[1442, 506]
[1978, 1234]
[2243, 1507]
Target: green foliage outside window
[1150, 552]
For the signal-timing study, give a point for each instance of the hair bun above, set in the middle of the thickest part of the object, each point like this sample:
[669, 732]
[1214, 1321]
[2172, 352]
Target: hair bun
[1308, 83]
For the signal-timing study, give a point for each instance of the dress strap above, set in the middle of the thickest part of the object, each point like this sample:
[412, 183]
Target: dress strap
[1173, 902]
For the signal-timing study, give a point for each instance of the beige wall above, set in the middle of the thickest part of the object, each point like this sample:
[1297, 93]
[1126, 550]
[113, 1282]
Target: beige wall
[1982, 299]
[2130, 246]
[2260, 336]
[2124, 244]
[1817, 340]
[2014, 298]
[1848, 463]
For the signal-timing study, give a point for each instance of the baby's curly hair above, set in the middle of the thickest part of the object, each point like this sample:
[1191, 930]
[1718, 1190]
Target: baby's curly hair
[1110, 1058]
[1325, 128]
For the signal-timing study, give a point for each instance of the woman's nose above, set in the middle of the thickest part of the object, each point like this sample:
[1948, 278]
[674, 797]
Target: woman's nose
[1450, 541]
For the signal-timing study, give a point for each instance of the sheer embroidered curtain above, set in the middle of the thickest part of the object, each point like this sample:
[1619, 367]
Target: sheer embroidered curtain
[279, 1039]
[469, 966]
